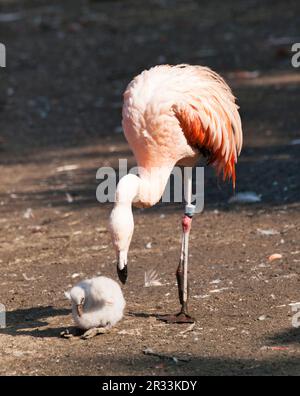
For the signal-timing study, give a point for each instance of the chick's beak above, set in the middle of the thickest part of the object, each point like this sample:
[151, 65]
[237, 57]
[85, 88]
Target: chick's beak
[79, 309]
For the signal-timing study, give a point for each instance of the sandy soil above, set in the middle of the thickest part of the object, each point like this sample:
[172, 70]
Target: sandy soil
[60, 104]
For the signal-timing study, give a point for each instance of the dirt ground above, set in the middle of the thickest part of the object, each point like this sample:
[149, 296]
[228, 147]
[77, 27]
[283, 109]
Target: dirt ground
[60, 104]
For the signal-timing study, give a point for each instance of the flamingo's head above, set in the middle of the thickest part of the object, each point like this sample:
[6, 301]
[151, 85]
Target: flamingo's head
[121, 220]
[121, 226]
[77, 296]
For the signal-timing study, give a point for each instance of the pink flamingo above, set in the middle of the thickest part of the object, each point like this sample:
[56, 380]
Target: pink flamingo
[173, 115]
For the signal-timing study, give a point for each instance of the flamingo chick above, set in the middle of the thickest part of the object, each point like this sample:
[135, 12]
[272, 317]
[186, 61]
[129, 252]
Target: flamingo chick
[173, 115]
[97, 303]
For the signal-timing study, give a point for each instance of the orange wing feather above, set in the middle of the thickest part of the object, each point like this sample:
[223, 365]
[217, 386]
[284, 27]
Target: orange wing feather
[204, 138]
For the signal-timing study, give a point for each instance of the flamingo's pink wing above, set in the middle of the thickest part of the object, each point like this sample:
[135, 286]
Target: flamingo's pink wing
[211, 122]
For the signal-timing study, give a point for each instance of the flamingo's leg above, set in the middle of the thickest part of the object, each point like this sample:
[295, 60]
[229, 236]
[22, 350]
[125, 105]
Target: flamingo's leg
[182, 270]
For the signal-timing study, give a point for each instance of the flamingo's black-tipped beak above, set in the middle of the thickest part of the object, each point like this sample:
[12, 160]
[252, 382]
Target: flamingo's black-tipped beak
[122, 273]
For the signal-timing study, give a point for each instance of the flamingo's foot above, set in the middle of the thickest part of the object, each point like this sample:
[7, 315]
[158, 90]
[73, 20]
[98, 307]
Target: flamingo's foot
[180, 318]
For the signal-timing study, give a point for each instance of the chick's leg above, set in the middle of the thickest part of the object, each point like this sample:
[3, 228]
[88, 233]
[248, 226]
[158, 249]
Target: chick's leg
[91, 333]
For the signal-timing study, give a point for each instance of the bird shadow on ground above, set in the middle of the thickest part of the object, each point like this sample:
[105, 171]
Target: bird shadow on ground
[271, 172]
[289, 336]
[142, 315]
[31, 322]
[159, 316]
[192, 365]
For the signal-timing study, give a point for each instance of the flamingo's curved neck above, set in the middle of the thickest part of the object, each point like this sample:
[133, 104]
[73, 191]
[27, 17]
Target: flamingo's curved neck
[153, 181]
[144, 190]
